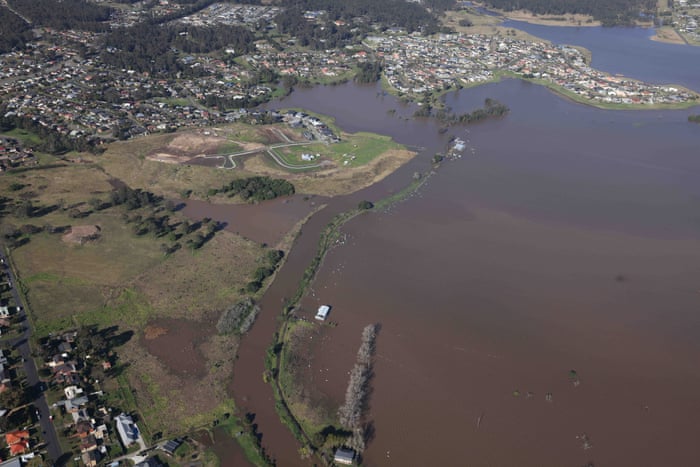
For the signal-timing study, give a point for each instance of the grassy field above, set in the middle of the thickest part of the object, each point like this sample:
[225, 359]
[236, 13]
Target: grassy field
[126, 280]
[352, 151]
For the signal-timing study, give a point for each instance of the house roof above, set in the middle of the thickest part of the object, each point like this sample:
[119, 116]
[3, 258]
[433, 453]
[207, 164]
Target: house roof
[16, 436]
[19, 448]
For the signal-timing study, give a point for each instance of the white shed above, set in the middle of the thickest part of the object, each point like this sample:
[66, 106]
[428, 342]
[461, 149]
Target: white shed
[322, 312]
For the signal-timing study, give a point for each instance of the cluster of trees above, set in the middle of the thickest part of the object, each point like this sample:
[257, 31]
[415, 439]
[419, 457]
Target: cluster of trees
[491, 109]
[357, 15]
[389, 13]
[608, 12]
[65, 14]
[156, 49]
[133, 198]
[325, 35]
[350, 413]
[238, 318]
[255, 188]
[14, 31]
[263, 272]
[368, 72]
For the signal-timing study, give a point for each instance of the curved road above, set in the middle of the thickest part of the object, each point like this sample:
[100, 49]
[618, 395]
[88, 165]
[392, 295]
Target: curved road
[21, 343]
[270, 151]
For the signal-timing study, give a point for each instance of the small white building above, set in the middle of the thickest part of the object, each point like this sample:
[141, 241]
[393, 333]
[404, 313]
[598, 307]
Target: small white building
[322, 312]
[344, 456]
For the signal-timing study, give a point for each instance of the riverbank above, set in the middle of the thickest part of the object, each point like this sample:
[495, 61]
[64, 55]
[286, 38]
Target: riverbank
[298, 413]
[668, 35]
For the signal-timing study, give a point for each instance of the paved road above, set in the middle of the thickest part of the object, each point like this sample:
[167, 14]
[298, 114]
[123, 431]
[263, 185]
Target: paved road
[52, 445]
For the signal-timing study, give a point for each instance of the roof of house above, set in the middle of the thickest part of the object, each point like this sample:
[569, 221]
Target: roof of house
[19, 448]
[14, 462]
[16, 436]
[344, 455]
[128, 431]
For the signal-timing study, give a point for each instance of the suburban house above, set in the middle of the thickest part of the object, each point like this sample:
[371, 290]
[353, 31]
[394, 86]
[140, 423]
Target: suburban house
[17, 441]
[127, 429]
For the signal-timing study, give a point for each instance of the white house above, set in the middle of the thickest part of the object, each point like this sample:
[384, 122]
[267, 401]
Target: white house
[322, 312]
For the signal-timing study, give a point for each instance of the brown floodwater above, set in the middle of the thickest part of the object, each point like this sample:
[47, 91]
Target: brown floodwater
[176, 343]
[227, 450]
[566, 238]
[265, 222]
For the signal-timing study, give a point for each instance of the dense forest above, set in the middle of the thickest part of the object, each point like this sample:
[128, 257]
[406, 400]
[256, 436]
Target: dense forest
[608, 12]
[64, 14]
[389, 13]
[14, 32]
[156, 49]
[368, 72]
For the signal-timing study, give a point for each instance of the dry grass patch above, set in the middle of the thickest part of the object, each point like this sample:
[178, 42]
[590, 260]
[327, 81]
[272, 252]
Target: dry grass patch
[63, 280]
[64, 185]
[189, 284]
[168, 180]
[667, 34]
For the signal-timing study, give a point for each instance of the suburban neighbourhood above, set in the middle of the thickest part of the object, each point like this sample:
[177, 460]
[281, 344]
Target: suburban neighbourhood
[52, 407]
[61, 86]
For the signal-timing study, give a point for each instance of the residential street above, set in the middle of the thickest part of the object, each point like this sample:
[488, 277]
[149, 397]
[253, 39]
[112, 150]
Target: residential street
[22, 343]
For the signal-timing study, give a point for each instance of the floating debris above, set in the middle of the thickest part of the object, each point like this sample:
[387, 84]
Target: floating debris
[585, 441]
[573, 376]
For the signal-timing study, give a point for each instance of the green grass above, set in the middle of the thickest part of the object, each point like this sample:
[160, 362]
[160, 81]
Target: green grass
[357, 149]
[27, 137]
[229, 147]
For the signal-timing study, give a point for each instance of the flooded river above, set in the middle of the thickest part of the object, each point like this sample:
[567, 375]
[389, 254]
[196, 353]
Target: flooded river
[537, 297]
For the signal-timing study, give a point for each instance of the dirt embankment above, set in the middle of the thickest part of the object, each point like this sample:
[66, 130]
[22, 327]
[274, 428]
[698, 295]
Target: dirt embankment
[187, 145]
[668, 35]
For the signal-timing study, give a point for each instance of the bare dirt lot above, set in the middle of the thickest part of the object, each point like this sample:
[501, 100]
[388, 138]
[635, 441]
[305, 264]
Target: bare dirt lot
[187, 145]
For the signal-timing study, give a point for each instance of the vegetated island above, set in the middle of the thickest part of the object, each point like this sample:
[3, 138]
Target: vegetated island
[491, 109]
[694, 118]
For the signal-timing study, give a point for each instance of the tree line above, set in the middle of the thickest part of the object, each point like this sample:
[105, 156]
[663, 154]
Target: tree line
[65, 14]
[351, 412]
[14, 31]
[257, 188]
[608, 12]
[491, 109]
[143, 47]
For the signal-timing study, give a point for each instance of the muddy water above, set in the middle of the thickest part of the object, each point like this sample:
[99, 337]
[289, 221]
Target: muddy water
[227, 450]
[265, 222]
[569, 240]
[176, 343]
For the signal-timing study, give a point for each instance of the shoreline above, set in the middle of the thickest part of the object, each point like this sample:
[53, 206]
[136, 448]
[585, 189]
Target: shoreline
[274, 365]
